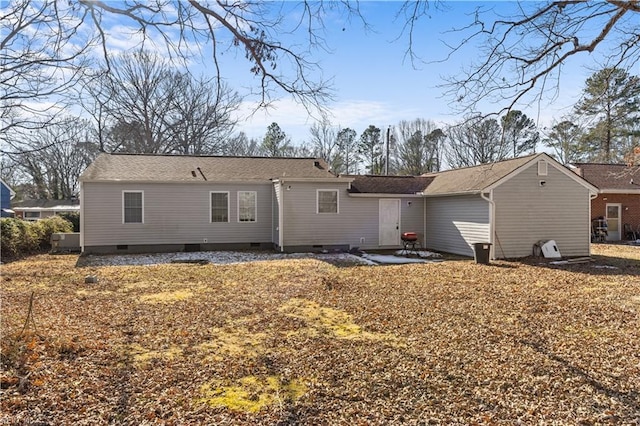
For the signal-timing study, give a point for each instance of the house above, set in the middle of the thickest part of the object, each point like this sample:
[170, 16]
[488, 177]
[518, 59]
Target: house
[6, 194]
[511, 204]
[618, 199]
[136, 203]
[41, 209]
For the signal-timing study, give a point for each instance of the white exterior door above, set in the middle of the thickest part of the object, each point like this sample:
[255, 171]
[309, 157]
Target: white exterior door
[614, 226]
[389, 222]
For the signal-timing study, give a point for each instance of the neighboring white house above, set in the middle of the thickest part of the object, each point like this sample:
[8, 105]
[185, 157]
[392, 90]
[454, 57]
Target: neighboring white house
[147, 203]
[41, 209]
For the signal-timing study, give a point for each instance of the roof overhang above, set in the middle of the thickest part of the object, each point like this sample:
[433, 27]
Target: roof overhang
[47, 209]
[619, 191]
[190, 182]
[454, 194]
[311, 180]
[385, 195]
[572, 175]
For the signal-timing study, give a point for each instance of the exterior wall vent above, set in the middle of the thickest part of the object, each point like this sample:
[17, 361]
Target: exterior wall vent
[542, 168]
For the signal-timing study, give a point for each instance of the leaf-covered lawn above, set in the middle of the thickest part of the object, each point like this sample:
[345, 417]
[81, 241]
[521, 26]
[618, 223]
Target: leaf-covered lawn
[305, 342]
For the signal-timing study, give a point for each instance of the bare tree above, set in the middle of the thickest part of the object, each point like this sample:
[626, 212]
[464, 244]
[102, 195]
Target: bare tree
[565, 138]
[201, 118]
[54, 156]
[418, 146]
[524, 54]
[476, 140]
[324, 143]
[43, 53]
[240, 145]
[152, 108]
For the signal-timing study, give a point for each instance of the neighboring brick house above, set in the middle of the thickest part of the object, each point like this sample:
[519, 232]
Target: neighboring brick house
[618, 199]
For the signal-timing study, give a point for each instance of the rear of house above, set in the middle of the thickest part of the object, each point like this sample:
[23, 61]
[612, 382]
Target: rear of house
[512, 205]
[147, 203]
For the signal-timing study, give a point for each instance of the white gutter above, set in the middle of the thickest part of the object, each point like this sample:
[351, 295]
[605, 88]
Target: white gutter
[592, 196]
[492, 219]
[81, 218]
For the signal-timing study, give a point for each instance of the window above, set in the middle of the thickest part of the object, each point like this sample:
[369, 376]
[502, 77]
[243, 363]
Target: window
[132, 207]
[542, 168]
[219, 207]
[247, 206]
[328, 201]
[31, 215]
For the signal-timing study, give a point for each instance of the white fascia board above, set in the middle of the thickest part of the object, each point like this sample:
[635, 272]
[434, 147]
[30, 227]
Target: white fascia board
[553, 163]
[320, 180]
[375, 195]
[454, 194]
[619, 191]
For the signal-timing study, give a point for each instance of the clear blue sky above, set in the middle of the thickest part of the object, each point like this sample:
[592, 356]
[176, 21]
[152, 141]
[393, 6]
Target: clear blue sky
[375, 83]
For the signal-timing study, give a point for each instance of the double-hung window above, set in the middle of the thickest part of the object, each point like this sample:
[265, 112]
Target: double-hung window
[132, 207]
[327, 200]
[247, 206]
[219, 207]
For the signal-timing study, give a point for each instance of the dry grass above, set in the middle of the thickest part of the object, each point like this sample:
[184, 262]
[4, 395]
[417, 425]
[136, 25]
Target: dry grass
[305, 342]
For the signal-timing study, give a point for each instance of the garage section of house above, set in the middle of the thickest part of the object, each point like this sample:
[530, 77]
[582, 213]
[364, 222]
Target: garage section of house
[511, 204]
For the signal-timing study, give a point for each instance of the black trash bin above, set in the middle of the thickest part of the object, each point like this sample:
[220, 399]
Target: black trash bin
[482, 252]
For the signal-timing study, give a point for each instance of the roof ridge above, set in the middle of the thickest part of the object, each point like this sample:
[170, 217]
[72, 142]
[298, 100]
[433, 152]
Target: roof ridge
[146, 154]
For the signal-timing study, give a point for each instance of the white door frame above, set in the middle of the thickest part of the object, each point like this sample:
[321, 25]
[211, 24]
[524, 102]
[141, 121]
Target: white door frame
[387, 235]
[615, 235]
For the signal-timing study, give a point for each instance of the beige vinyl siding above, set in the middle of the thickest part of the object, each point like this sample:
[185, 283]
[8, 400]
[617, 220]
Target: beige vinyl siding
[455, 223]
[526, 213]
[357, 217]
[174, 213]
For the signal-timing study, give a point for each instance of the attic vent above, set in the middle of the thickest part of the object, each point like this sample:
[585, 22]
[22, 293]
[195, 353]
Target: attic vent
[193, 173]
[317, 164]
[542, 168]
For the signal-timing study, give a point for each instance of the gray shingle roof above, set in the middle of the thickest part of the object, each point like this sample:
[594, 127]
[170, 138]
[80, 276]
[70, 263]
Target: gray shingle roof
[389, 184]
[473, 179]
[185, 168]
[610, 176]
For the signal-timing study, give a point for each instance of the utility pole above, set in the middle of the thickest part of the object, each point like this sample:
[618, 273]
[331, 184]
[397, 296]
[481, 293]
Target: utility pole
[386, 163]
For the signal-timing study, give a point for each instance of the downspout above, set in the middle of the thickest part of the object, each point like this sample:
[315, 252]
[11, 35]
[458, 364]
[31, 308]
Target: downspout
[280, 217]
[492, 218]
[81, 218]
[591, 198]
[424, 221]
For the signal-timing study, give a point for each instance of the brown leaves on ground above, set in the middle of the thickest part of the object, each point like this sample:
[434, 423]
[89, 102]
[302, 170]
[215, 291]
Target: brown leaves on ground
[305, 342]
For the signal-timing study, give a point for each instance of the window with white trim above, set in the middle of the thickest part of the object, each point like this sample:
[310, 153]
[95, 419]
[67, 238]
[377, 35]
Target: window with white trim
[247, 206]
[132, 207]
[327, 200]
[219, 202]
